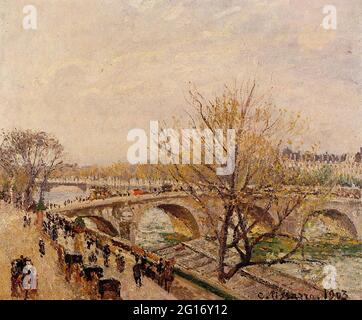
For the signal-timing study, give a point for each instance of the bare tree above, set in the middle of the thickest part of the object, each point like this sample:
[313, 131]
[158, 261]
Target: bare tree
[255, 201]
[52, 162]
[36, 154]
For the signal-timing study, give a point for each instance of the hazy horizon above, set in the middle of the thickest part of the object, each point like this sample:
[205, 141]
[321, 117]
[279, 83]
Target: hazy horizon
[93, 70]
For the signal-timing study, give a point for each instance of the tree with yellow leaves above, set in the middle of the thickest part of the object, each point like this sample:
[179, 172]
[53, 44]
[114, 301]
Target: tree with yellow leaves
[260, 174]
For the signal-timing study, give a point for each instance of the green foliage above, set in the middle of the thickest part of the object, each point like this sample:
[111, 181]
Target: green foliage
[316, 250]
[348, 181]
[79, 222]
[174, 238]
[272, 248]
[323, 250]
[205, 285]
[41, 206]
[318, 177]
[324, 175]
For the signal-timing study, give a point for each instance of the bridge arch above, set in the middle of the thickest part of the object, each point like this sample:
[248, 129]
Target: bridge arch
[182, 218]
[344, 222]
[103, 225]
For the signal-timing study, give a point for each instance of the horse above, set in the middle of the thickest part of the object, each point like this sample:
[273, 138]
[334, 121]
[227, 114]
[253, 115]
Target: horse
[16, 279]
[168, 277]
[109, 289]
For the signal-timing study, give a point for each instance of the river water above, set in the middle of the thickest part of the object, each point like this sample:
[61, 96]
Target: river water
[153, 230]
[344, 266]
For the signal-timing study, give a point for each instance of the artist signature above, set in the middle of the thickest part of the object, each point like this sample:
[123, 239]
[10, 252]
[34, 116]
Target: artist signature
[287, 295]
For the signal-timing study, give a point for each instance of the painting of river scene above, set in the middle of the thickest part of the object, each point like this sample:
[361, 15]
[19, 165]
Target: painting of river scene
[180, 150]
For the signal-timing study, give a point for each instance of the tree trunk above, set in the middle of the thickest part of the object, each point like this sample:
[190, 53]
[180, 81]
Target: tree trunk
[28, 196]
[12, 190]
[42, 190]
[223, 242]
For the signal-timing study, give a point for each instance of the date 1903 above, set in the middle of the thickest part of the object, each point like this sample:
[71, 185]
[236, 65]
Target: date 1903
[287, 295]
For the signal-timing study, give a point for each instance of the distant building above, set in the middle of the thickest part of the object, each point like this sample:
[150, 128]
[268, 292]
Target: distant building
[325, 157]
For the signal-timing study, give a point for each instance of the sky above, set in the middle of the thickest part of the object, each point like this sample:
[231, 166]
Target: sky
[95, 69]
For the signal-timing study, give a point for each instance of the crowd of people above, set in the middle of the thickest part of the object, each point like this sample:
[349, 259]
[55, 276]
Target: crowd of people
[83, 264]
[83, 259]
[161, 272]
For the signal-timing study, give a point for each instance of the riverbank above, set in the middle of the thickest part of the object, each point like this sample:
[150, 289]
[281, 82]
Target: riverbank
[197, 259]
[302, 272]
[17, 240]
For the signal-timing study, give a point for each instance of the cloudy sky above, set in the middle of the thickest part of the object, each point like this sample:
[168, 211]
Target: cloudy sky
[94, 69]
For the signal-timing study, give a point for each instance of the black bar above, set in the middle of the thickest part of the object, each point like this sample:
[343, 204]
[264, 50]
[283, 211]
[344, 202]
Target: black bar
[129, 310]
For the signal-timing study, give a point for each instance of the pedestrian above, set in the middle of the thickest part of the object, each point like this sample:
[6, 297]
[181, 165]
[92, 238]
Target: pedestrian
[25, 221]
[160, 268]
[27, 284]
[89, 243]
[21, 262]
[168, 276]
[16, 278]
[28, 220]
[92, 258]
[144, 261]
[45, 227]
[106, 254]
[120, 262]
[41, 247]
[137, 274]
[54, 233]
[33, 276]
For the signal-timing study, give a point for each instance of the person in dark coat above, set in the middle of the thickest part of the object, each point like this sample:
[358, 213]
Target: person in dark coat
[120, 261]
[92, 258]
[137, 274]
[160, 269]
[143, 262]
[41, 248]
[54, 233]
[106, 254]
[25, 221]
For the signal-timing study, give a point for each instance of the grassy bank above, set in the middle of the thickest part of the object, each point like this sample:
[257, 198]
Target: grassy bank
[174, 238]
[320, 249]
[205, 285]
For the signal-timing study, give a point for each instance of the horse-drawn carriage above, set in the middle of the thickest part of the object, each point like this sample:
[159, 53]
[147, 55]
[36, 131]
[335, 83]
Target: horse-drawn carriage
[73, 262]
[73, 258]
[121, 263]
[109, 288]
[17, 266]
[89, 270]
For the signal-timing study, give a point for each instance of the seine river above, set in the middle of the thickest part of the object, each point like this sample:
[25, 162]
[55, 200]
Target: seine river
[155, 229]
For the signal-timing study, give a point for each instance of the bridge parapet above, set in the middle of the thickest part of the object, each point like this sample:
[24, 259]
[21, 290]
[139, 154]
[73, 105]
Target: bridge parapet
[125, 213]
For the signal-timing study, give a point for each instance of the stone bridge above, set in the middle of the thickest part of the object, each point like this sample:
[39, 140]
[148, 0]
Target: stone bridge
[86, 184]
[120, 216]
